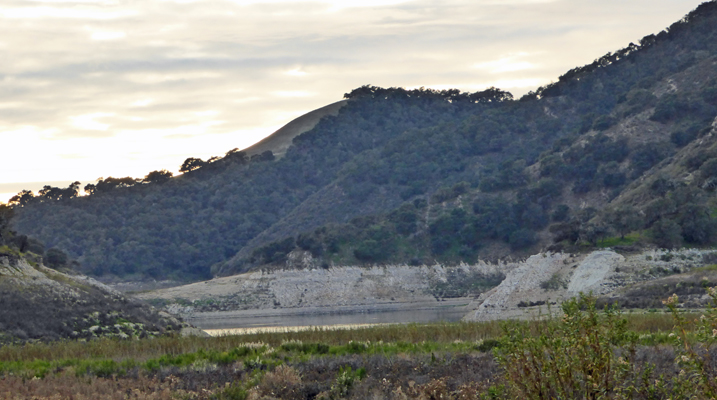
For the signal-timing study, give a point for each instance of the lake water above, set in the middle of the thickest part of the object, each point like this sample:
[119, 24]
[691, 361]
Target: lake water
[293, 320]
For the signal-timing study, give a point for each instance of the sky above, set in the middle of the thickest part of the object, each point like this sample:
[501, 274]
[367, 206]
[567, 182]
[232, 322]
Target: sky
[98, 88]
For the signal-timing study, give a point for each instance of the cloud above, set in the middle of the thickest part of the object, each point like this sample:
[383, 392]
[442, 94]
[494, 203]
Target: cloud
[88, 121]
[107, 35]
[294, 93]
[506, 64]
[44, 12]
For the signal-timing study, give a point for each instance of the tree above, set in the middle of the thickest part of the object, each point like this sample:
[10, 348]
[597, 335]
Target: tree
[235, 155]
[569, 231]
[624, 219]
[22, 198]
[591, 233]
[191, 163]
[371, 251]
[552, 165]
[265, 156]
[6, 213]
[697, 225]
[55, 193]
[645, 156]
[610, 175]
[521, 239]
[666, 234]
[55, 258]
[158, 177]
[90, 188]
[105, 185]
[561, 213]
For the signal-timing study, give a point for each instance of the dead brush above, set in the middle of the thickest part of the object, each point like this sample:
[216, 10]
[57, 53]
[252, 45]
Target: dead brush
[68, 386]
[436, 389]
[284, 382]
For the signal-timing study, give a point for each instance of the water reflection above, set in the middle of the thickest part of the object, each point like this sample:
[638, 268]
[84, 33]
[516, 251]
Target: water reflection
[237, 323]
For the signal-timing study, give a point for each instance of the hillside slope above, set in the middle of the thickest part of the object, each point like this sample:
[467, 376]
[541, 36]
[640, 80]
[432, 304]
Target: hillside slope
[39, 303]
[621, 150]
[279, 141]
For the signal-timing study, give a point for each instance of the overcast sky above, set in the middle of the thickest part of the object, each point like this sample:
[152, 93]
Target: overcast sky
[97, 88]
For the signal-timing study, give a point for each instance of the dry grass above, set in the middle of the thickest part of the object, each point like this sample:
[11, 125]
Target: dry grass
[67, 386]
[142, 350]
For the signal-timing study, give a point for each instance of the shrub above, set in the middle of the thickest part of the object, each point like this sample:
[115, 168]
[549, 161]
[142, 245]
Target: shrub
[561, 213]
[694, 358]
[573, 359]
[55, 258]
[666, 234]
[555, 282]
[283, 382]
[521, 239]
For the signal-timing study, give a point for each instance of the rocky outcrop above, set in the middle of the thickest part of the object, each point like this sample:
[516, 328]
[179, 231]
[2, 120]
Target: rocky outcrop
[512, 289]
[329, 288]
[545, 280]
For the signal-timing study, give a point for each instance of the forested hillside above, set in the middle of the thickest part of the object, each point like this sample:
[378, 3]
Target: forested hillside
[623, 148]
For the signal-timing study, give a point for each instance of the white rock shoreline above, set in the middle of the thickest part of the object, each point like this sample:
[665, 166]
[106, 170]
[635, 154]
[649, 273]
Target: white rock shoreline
[352, 289]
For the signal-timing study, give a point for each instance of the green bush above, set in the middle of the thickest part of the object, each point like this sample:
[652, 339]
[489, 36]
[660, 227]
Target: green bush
[573, 359]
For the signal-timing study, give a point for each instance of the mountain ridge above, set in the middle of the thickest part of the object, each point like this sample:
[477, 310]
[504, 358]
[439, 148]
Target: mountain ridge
[423, 175]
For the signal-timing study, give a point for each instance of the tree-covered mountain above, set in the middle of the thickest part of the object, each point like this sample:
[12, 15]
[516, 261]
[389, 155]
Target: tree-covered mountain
[622, 147]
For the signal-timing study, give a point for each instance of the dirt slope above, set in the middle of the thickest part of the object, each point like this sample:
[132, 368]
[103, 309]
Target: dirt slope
[279, 141]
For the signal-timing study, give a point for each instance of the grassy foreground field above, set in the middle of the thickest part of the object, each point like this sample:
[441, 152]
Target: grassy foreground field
[584, 353]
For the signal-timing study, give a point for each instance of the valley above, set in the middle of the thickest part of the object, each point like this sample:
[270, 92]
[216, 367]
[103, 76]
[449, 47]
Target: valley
[396, 244]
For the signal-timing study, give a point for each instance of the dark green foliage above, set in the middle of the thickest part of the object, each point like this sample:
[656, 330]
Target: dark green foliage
[697, 225]
[569, 231]
[555, 282]
[158, 176]
[624, 219]
[191, 163]
[710, 95]
[666, 234]
[610, 175]
[521, 239]
[55, 258]
[561, 213]
[672, 106]
[273, 253]
[576, 358]
[264, 156]
[682, 137]
[661, 185]
[553, 165]
[6, 214]
[638, 100]
[459, 283]
[371, 250]
[405, 219]
[446, 194]
[310, 243]
[708, 169]
[645, 156]
[603, 122]
[593, 232]
[54, 193]
[22, 198]
[444, 228]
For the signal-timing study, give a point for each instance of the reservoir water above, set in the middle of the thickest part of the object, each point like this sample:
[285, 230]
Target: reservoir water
[248, 321]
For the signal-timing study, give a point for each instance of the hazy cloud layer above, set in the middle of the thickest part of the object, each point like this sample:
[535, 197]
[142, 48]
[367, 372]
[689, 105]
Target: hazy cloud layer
[92, 88]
